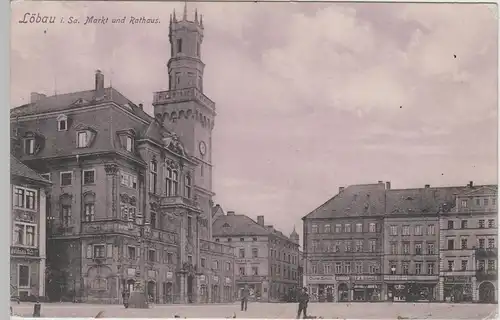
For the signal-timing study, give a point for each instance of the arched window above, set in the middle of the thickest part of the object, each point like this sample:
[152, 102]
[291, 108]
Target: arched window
[187, 186]
[168, 182]
[175, 183]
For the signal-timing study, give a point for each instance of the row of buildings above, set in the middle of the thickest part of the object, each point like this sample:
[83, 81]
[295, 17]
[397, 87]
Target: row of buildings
[107, 198]
[371, 242]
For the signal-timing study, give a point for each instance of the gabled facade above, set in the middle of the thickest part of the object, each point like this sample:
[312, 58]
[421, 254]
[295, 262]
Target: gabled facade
[469, 246]
[266, 260]
[28, 231]
[130, 204]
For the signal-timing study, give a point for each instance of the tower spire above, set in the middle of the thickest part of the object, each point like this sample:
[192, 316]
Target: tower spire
[175, 19]
[184, 16]
[196, 15]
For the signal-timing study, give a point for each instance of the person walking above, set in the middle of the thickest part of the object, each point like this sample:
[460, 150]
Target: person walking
[245, 293]
[303, 301]
[125, 296]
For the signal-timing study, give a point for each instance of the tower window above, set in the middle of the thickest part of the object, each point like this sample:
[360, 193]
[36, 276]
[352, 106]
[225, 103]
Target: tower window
[179, 45]
[198, 54]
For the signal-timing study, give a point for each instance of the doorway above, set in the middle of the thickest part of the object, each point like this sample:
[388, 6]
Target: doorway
[151, 291]
[487, 292]
[190, 289]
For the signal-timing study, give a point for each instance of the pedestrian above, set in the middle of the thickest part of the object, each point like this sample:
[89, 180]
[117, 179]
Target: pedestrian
[125, 296]
[303, 301]
[244, 298]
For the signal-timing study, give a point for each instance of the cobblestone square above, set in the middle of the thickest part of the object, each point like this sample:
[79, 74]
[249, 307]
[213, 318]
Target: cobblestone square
[272, 310]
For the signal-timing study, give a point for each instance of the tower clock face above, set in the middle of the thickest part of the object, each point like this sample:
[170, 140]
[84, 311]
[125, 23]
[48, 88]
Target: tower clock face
[203, 148]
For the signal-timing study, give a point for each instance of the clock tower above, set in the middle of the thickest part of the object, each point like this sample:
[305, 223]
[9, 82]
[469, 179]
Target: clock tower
[185, 110]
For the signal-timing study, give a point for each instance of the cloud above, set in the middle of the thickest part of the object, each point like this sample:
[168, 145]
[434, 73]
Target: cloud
[309, 97]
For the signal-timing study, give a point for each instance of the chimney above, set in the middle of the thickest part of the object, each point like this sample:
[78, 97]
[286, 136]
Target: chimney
[99, 84]
[471, 184]
[388, 185]
[427, 186]
[341, 189]
[230, 213]
[35, 97]
[260, 220]
[140, 106]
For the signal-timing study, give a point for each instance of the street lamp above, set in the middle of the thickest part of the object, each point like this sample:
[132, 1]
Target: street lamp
[393, 270]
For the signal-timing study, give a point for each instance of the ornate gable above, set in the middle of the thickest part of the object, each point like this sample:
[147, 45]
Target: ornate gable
[172, 142]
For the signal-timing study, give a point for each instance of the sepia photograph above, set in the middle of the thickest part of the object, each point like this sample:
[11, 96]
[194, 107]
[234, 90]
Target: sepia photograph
[333, 160]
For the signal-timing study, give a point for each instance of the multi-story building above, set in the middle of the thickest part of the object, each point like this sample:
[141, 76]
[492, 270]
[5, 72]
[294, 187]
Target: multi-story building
[411, 242]
[343, 245]
[132, 195]
[266, 260]
[28, 235]
[437, 243]
[468, 246]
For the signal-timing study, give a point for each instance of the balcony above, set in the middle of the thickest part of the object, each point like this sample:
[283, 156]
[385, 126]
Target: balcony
[127, 228]
[482, 275]
[182, 202]
[486, 252]
[175, 96]
[216, 247]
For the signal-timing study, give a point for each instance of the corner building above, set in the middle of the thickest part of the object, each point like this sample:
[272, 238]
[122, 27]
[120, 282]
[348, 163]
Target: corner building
[267, 260]
[469, 246]
[28, 232]
[343, 245]
[132, 194]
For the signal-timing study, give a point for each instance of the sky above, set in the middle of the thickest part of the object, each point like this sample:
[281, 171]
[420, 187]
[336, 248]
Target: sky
[309, 96]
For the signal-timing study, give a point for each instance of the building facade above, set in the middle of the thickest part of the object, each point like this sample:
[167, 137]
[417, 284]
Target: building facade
[132, 195]
[435, 244]
[28, 231]
[266, 260]
[411, 242]
[343, 245]
[468, 246]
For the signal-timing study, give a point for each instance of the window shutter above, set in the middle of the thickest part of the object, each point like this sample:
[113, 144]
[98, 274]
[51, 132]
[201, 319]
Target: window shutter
[89, 252]
[138, 253]
[109, 251]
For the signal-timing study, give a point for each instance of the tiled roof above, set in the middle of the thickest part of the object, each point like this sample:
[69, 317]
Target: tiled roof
[241, 225]
[67, 101]
[374, 199]
[216, 209]
[19, 169]
[363, 199]
[236, 225]
[423, 200]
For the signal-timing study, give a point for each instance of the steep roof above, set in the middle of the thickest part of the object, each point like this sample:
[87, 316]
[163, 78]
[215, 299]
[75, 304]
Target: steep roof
[373, 199]
[421, 200]
[238, 225]
[19, 169]
[74, 100]
[355, 200]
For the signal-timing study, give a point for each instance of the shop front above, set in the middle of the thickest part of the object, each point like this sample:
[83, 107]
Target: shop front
[322, 288]
[366, 288]
[258, 286]
[411, 288]
[457, 288]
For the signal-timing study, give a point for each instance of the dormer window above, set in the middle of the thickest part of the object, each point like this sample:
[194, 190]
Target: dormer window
[62, 123]
[29, 146]
[83, 139]
[128, 143]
